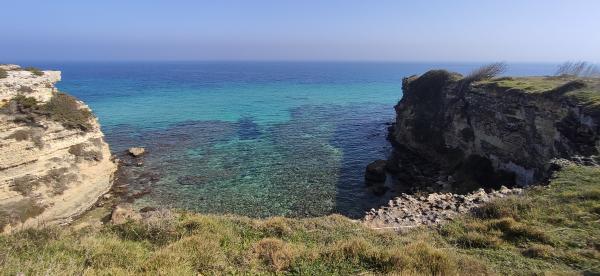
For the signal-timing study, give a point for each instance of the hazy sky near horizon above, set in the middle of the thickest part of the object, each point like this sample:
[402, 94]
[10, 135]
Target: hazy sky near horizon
[432, 31]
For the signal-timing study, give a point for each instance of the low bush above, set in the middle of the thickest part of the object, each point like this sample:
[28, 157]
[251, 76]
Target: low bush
[3, 74]
[79, 150]
[19, 211]
[66, 109]
[25, 89]
[20, 135]
[34, 71]
[25, 185]
[484, 72]
[577, 69]
[24, 102]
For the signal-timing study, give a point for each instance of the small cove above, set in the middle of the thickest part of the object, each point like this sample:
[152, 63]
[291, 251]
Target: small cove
[251, 138]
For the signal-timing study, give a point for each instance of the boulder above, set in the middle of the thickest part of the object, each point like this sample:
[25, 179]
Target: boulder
[375, 171]
[137, 151]
[123, 213]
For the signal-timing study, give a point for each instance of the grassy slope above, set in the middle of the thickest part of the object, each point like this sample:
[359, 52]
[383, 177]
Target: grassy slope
[550, 229]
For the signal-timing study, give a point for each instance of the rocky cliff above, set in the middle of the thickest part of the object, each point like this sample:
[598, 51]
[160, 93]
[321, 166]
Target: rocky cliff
[54, 163]
[488, 133]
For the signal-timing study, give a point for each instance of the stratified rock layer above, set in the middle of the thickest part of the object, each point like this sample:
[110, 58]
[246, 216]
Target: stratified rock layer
[48, 173]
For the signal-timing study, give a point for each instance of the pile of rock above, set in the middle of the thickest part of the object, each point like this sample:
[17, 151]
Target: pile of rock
[409, 211]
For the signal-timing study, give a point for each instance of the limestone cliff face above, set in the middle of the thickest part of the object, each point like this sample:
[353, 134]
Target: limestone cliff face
[48, 172]
[500, 132]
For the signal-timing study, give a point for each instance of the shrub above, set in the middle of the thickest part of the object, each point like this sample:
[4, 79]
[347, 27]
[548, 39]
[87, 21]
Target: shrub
[483, 73]
[3, 74]
[34, 71]
[25, 89]
[20, 135]
[59, 180]
[25, 102]
[25, 184]
[79, 151]
[487, 71]
[19, 211]
[66, 110]
[577, 69]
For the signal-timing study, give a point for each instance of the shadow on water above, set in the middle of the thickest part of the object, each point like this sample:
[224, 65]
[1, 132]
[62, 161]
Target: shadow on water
[362, 139]
[247, 129]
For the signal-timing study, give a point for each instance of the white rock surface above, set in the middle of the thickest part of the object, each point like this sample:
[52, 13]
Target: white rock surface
[44, 168]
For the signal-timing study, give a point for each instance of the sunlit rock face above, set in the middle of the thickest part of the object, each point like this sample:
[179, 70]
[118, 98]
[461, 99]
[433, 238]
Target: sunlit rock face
[49, 173]
[495, 132]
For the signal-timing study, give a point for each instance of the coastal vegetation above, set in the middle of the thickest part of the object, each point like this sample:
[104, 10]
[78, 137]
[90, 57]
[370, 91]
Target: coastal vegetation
[550, 229]
[3, 73]
[35, 71]
[61, 108]
[577, 69]
[67, 110]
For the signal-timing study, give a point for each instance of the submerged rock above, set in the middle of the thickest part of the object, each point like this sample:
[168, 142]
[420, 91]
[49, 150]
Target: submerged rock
[136, 151]
[375, 171]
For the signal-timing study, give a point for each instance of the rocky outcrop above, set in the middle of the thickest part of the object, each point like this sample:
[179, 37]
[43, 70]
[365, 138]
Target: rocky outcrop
[50, 171]
[136, 151]
[408, 211]
[453, 136]
[494, 132]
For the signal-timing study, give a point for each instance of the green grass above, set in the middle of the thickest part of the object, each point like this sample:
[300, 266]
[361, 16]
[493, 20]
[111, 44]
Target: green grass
[553, 228]
[588, 97]
[550, 230]
[527, 84]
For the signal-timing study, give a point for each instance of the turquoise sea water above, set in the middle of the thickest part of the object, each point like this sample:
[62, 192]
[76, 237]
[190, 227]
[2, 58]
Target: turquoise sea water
[251, 138]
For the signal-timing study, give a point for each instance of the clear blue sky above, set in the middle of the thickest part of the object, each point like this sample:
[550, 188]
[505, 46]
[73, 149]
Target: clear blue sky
[535, 30]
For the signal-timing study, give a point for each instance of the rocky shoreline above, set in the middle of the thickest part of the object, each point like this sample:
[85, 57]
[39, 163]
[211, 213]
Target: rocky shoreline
[454, 140]
[409, 211]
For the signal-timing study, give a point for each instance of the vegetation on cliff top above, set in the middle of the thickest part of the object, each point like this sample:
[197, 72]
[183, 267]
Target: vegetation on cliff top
[34, 71]
[553, 229]
[61, 108]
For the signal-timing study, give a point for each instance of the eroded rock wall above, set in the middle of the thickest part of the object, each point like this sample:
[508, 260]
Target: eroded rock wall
[48, 173]
[490, 135]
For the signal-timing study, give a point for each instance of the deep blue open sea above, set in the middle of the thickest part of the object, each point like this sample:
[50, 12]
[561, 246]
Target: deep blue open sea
[252, 138]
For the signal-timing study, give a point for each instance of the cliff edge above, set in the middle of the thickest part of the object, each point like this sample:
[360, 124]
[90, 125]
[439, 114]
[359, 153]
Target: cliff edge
[54, 163]
[488, 133]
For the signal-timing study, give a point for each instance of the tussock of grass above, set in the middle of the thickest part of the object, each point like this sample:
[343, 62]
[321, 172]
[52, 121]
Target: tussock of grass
[557, 226]
[548, 231]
